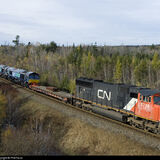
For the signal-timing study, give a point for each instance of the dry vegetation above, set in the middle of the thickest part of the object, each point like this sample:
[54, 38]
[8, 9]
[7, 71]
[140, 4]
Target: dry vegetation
[43, 131]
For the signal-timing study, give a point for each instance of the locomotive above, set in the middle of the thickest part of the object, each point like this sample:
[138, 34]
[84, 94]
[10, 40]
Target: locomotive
[137, 106]
[19, 76]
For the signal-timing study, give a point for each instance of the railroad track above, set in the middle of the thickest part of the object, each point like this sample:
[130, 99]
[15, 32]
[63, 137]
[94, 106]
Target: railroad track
[145, 133]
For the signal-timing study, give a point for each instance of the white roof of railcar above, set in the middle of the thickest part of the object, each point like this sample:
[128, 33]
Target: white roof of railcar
[11, 69]
[19, 70]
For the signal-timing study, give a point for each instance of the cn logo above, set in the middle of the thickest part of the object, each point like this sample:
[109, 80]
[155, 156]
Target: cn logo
[102, 94]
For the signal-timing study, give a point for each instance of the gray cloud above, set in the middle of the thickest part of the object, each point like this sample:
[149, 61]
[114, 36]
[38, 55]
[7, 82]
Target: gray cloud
[103, 21]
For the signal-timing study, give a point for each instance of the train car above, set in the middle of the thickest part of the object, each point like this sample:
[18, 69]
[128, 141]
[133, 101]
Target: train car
[9, 72]
[138, 106]
[105, 94]
[3, 70]
[31, 78]
[18, 75]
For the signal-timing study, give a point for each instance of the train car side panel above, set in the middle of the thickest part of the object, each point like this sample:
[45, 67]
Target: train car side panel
[105, 94]
[84, 89]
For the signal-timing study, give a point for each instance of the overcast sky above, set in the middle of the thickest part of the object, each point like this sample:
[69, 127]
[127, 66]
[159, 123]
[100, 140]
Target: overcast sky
[106, 22]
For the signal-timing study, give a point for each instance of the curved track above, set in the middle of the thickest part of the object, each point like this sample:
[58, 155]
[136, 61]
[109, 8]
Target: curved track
[145, 133]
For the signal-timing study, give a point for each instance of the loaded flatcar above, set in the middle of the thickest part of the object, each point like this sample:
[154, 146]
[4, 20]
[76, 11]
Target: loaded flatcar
[138, 106]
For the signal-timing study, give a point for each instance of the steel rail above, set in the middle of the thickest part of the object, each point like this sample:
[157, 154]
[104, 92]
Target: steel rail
[88, 112]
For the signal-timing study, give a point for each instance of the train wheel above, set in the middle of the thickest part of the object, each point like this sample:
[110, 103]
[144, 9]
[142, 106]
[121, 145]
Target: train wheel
[124, 119]
[130, 122]
[156, 131]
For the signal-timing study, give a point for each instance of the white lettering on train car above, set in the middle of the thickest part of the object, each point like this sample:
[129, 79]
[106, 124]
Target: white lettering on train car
[104, 94]
[144, 107]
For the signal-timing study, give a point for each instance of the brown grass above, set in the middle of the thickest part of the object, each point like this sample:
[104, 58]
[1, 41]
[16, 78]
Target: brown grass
[83, 139]
[74, 137]
[45, 130]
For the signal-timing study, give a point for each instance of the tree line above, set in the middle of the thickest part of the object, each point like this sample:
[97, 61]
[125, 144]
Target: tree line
[60, 65]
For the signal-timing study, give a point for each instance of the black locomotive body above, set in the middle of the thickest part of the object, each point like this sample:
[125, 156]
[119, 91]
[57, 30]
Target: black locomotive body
[105, 94]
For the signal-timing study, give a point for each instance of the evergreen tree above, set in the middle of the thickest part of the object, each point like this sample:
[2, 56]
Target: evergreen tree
[16, 41]
[51, 47]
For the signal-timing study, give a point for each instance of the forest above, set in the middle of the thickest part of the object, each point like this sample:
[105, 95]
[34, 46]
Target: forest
[60, 65]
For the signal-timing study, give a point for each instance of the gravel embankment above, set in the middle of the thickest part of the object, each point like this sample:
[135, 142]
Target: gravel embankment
[95, 121]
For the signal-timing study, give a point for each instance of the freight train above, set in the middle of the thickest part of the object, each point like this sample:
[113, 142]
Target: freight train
[137, 106]
[19, 76]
